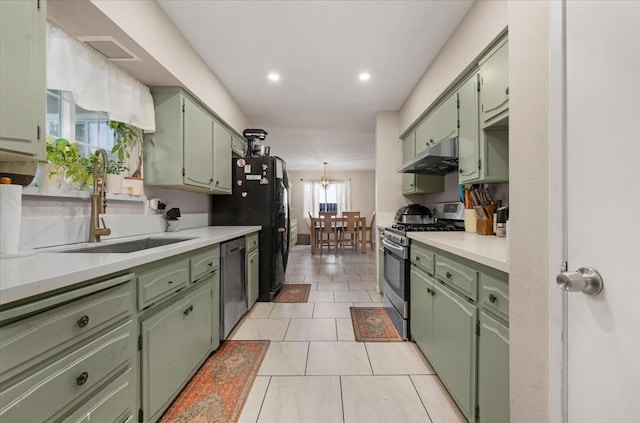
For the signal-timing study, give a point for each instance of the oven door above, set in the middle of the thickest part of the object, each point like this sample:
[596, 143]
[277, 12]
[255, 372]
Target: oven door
[396, 269]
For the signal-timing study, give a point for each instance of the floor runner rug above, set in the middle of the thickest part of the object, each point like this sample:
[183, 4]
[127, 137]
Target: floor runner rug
[293, 293]
[220, 388]
[372, 324]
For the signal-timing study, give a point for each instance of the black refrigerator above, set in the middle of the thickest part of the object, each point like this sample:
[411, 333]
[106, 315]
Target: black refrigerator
[260, 196]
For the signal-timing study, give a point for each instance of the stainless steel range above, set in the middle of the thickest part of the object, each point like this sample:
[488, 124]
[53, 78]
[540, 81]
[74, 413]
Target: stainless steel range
[447, 217]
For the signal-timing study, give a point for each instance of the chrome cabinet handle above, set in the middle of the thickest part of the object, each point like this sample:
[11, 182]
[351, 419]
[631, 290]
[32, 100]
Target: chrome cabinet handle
[83, 321]
[82, 379]
[586, 280]
[492, 298]
[448, 275]
[188, 310]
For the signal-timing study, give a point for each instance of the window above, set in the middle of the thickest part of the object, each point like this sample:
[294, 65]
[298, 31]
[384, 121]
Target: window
[65, 119]
[335, 198]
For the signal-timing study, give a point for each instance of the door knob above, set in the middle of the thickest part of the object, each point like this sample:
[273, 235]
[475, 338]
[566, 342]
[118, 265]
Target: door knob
[585, 279]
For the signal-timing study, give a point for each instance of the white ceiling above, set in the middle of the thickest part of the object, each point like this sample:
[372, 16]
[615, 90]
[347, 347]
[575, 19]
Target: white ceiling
[319, 110]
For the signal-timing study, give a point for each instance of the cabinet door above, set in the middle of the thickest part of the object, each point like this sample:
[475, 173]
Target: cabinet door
[221, 159]
[468, 133]
[215, 309]
[453, 353]
[253, 277]
[494, 86]
[443, 121]
[408, 152]
[422, 137]
[493, 371]
[421, 319]
[174, 343]
[198, 145]
[22, 77]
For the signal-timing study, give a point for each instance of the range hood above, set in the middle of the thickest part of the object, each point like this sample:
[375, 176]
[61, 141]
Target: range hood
[439, 159]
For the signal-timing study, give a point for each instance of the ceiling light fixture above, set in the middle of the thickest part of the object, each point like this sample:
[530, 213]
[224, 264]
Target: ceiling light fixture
[324, 181]
[364, 76]
[273, 76]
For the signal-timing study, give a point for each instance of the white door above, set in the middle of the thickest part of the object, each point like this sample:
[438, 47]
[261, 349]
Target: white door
[603, 208]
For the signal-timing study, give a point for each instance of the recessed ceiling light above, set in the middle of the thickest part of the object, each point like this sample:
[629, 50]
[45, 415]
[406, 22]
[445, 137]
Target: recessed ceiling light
[364, 76]
[273, 76]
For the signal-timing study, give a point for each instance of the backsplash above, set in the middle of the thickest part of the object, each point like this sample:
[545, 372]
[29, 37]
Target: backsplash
[497, 191]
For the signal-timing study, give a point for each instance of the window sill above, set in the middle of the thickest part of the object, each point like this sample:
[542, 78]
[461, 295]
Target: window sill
[76, 193]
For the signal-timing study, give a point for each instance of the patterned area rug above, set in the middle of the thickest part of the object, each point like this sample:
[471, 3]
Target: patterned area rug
[219, 390]
[372, 324]
[293, 293]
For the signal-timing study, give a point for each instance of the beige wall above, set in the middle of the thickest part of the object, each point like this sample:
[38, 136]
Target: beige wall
[388, 189]
[147, 24]
[362, 192]
[483, 23]
[529, 233]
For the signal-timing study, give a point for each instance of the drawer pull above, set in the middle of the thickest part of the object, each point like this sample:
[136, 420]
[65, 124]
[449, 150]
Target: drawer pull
[188, 310]
[448, 275]
[492, 298]
[170, 282]
[82, 379]
[83, 321]
[210, 264]
[417, 258]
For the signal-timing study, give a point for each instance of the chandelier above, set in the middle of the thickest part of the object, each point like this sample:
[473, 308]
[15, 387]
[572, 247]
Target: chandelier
[324, 181]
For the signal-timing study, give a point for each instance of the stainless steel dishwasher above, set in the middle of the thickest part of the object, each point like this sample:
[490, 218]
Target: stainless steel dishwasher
[233, 293]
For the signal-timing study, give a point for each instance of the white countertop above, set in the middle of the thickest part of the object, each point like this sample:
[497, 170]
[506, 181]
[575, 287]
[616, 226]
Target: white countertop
[47, 270]
[484, 249]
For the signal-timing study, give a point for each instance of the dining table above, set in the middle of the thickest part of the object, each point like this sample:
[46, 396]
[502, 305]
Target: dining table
[340, 222]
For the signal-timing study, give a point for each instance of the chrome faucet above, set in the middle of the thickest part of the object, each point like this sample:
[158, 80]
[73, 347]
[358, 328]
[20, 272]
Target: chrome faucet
[98, 198]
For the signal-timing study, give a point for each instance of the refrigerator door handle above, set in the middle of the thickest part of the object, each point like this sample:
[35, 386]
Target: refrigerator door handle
[281, 229]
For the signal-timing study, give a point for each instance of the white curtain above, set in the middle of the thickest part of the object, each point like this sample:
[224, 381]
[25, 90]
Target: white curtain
[339, 192]
[96, 83]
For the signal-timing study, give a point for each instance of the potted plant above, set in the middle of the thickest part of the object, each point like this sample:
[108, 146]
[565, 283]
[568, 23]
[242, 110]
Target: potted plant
[49, 174]
[128, 139]
[115, 176]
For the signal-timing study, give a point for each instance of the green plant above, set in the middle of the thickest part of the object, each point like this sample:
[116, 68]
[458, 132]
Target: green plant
[66, 157]
[116, 167]
[127, 138]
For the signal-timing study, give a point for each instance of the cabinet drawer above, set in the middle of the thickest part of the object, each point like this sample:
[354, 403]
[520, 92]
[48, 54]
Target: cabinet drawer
[423, 257]
[45, 393]
[252, 241]
[204, 262]
[32, 339]
[457, 275]
[111, 404]
[494, 295]
[161, 282]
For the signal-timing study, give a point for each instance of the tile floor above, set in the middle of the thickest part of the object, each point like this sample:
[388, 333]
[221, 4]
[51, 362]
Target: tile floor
[314, 371]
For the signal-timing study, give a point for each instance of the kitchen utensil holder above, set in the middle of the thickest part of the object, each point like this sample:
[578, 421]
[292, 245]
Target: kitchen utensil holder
[484, 226]
[470, 220]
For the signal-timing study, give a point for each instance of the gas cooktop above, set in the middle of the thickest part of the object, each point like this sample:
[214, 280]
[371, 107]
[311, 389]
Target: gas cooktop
[428, 227]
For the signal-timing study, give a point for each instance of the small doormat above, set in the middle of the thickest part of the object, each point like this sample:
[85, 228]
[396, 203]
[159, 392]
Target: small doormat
[293, 293]
[372, 324]
[219, 390]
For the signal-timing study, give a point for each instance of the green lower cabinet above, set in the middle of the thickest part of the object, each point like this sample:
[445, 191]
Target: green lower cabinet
[175, 341]
[421, 311]
[493, 371]
[453, 354]
[215, 309]
[253, 277]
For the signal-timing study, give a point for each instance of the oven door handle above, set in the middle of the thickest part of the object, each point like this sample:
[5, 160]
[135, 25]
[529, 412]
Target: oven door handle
[400, 250]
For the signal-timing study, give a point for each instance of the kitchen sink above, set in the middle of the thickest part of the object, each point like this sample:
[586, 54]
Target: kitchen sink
[128, 246]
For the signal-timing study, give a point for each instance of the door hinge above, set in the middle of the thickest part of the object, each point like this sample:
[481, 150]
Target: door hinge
[139, 342]
[182, 107]
[478, 328]
[183, 172]
[39, 131]
[479, 164]
[140, 415]
[477, 412]
[38, 4]
[458, 101]
[458, 123]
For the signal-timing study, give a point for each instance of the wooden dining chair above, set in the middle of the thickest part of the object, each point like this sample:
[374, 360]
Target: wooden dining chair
[369, 231]
[328, 233]
[350, 234]
[316, 228]
[350, 213]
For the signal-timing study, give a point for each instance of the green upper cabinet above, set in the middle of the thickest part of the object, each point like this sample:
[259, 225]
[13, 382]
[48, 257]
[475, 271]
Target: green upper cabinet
[22, 78]
[198, 145]
[413, 183]
[239, 145]
[468, 133]
[443, 121]
[494, 85]
[191, 148]
[221, 159]
[421, 138]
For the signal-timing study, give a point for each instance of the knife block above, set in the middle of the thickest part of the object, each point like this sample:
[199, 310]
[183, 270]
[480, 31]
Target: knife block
[484, 225]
